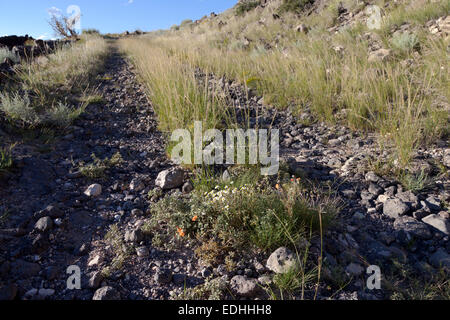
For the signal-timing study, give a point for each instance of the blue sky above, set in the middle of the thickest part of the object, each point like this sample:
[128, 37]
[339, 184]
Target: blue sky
[20, 17]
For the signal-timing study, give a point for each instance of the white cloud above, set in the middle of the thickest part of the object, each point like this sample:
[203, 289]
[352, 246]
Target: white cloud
[54, 12]
[43, 36]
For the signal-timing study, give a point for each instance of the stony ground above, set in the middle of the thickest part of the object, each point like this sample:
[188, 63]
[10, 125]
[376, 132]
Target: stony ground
[57, 217]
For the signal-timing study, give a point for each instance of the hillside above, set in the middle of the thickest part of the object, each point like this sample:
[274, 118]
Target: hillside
[355, 97]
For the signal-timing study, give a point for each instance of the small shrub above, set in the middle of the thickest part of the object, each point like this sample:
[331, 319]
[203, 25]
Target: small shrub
[211, 253]
[244, 7]
[405, 42]
[214, 289]
[19, 108]
[295, 6]
[121, 252]
[233, 216]
[6, 53]
[97, 168]
[6, 159]
[414, 182]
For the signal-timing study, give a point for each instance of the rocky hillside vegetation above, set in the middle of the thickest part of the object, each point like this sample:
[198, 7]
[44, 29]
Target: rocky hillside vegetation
[360, 94]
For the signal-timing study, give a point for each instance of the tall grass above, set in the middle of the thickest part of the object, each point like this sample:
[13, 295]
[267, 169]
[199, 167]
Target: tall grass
[67, 71]
[49, 91]
[406, 106]
[177, 96]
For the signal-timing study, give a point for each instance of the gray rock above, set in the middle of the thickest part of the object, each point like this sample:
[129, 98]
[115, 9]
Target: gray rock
[40, 243]
[142, 252]
[226, 176]
[137, 185]
[380, 55]
[259, 268]
[265, 280]
[375, 189]
[372, 177]
[438, 222]
[395, 208]
[414, 227]
[170, 179]
[366, 195]
[440, 259]
[163, 276]
[95, 280]
[51, 273]
[106, 294]
[187, 187]
[408, 197]
[433, 203]
[51, 211]
[94, 190]
[44, 224]
[134, 236]
[446, 159]
[281, 261]
[45, 293]
[179, 279]
[354, 269]
[245, 287]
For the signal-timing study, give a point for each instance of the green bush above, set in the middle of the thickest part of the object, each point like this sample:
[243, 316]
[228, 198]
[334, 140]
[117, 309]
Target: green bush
[296, 6]
[91, 31]
[234, 216]
[405, 41]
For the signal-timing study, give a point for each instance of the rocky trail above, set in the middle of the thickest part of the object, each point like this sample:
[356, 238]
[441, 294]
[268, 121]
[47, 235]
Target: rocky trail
[59, 218]
[52, 224]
